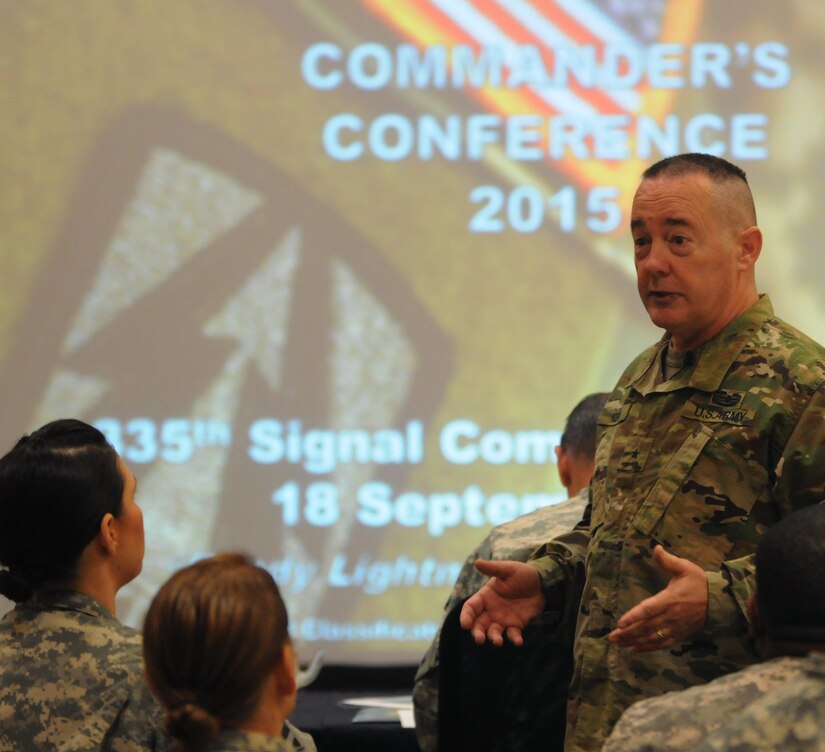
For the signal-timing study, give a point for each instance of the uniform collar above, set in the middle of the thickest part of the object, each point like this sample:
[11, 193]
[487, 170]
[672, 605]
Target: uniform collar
[247, 740]
[711, 360]
[46, 599]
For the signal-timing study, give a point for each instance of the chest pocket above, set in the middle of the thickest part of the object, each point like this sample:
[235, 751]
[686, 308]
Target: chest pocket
[613, 415]
[701, 501]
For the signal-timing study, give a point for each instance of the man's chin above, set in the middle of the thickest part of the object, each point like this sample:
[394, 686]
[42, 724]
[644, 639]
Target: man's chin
[661, 317]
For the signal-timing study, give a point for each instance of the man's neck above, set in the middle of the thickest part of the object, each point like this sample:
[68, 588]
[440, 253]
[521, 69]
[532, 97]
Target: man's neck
[673, 361]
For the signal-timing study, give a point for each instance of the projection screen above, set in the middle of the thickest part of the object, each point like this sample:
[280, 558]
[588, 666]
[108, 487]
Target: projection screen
[330, 275]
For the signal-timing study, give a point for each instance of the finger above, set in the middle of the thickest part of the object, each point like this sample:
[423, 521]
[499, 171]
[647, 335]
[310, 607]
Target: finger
[653, 638]
[479, 635]
[626, 638]
[490, 568]
[494, 635]
[648, 609]
[514, 635]
[480, 628]
[659, 635]
[467, 615]
[661, 639]
[668, 562]
[639, 632]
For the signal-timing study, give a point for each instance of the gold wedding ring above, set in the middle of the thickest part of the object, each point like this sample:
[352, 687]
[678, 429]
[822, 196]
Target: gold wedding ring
[660, 634]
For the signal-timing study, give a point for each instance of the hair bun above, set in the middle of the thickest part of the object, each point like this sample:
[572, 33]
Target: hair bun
[192, 725]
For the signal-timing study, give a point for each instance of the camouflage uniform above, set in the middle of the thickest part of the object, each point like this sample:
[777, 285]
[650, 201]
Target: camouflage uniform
[702, 463]
[71, 678]
[790, 718]
[514, 540]
[681, 720]
[242, 741]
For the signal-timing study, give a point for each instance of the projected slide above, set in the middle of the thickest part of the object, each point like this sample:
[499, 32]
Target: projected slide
[330, 275]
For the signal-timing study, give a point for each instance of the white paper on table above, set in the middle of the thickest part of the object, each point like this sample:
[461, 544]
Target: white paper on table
[393, 707]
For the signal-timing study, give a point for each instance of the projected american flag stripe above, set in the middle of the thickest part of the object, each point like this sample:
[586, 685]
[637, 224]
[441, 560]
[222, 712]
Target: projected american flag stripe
[510, 25]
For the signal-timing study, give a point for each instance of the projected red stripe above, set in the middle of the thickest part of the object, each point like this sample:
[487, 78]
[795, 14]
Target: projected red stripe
[425, 25]
[521, 35]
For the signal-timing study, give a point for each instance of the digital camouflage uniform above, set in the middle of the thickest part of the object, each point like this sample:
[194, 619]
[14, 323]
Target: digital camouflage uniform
[791, 718]
[514, 540]
[681, 720]
[71, 678]
[240, 741]
[702, 463]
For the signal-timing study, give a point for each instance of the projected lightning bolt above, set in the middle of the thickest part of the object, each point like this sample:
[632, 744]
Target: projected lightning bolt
[220, 292]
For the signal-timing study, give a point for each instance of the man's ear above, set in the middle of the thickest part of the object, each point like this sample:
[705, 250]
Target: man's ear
[107, 535]
[563, 466]
[750, 246]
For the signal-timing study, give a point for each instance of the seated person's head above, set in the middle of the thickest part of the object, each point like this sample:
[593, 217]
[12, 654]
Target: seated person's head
[575, 455]
[67, 505]
[217, 651]
[790, 590]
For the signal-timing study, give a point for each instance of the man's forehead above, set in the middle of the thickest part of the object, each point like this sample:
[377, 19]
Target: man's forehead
[669, 201]
[687, 186]
[639, 222]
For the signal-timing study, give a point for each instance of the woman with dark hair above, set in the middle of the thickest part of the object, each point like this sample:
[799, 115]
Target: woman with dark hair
[71, 535]
[219, 658]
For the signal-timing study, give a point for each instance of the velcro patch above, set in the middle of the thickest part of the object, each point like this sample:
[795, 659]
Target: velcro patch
[709, 413]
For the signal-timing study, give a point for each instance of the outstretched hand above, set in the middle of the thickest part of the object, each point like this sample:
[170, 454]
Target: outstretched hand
[504, 604]
[670, 616]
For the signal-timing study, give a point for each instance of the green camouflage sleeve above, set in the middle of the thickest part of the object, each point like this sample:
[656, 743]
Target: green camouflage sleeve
[557, 559]
[800, 482]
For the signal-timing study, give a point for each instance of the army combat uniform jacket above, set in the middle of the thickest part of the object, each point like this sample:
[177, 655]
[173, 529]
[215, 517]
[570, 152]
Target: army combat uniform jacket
[789, 718]
[71, 678]
[702, 463]
[242, 741]
[679, 721]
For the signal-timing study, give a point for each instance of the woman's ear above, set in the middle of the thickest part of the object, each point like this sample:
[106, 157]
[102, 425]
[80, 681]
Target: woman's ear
[286, 671]
[107, 535]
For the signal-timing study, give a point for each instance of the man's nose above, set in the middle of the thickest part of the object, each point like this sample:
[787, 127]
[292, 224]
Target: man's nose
[657, 260]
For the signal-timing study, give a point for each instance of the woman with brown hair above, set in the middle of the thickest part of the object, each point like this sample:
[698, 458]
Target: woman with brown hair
[219, 658]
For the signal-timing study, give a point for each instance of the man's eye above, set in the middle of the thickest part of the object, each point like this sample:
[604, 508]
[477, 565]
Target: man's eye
[678, 239]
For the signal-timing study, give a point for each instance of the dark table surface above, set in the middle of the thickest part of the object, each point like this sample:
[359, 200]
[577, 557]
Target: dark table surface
[322, 714]
[320, 710]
